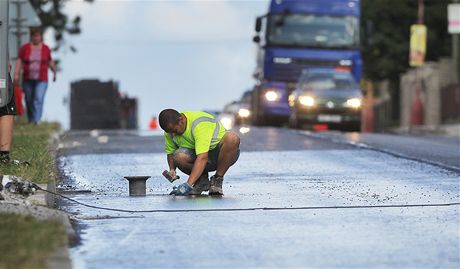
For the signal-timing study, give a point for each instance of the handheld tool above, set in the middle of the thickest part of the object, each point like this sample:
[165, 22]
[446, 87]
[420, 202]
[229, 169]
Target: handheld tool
[168, 176]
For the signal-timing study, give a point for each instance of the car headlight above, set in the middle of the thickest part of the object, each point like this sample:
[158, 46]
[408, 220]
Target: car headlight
[244, 113]
[354, 103]
[227, 122]
[307, 101]
[272, 96]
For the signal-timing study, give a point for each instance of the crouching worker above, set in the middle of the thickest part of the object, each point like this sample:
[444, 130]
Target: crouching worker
[197, 143]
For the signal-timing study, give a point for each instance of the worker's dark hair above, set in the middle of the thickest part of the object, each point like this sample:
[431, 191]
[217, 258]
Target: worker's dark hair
[167, 117]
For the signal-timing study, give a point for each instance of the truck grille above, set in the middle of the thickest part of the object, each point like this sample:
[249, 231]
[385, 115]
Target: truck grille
[291, 72]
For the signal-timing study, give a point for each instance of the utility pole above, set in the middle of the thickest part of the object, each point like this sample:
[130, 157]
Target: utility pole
[456, 52]
[4, 94]
[16, 27]
[417, 57]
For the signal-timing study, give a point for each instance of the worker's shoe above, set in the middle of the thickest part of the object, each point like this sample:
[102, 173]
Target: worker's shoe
[201, 185]
[216, 185]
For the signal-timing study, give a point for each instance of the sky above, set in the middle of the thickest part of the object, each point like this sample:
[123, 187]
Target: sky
[186, 55]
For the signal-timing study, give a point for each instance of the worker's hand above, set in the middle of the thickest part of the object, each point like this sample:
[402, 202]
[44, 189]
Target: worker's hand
[171, 175]
[182, 189]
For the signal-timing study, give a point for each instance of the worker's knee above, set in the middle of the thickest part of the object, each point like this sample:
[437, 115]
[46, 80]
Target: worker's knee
[183, 155]
[231, 139]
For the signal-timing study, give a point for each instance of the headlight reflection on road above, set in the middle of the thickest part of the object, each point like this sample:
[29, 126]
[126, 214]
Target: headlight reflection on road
[244, 129]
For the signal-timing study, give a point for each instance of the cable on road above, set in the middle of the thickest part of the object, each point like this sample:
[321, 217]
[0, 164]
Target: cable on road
[251, 208]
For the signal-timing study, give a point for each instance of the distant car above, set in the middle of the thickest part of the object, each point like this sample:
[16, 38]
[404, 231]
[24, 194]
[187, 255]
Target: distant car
[241, 109]
[326, 96]
[244, 110]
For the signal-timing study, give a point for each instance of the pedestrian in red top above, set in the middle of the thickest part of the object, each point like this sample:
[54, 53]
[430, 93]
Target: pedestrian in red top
[34, 60]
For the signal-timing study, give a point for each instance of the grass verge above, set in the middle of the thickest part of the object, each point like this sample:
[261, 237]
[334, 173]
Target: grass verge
[31, 143]
[25, 242]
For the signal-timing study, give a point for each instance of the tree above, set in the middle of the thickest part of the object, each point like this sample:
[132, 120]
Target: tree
[51, 15]
[385, 28]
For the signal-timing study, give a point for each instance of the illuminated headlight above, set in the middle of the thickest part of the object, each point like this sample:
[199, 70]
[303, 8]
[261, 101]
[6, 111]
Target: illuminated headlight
[354, 102]
[307, 100]
[244, 113]
[227, 122]
[272, 96]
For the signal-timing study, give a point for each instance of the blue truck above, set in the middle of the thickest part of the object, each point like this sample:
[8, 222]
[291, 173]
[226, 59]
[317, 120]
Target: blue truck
[295, 35]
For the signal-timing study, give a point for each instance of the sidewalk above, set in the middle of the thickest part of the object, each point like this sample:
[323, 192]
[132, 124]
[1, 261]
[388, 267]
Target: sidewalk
[443, 130]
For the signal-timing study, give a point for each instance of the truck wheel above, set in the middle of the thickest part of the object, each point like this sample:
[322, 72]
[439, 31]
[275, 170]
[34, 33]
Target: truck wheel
[257, 118]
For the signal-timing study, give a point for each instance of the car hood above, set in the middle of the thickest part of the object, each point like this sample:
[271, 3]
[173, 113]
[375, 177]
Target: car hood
[334, 93]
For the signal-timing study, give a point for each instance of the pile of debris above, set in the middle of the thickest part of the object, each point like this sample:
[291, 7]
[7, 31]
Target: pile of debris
[14, 188]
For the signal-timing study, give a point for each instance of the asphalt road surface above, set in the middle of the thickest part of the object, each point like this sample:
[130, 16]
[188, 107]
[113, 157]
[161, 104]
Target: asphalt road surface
[294, 199]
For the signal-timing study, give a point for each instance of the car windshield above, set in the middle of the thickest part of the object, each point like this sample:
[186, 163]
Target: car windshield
[342, 81]
[313, 31]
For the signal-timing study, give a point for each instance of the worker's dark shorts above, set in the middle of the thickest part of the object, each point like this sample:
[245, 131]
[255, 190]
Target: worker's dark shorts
[213, 156]
[10, 108]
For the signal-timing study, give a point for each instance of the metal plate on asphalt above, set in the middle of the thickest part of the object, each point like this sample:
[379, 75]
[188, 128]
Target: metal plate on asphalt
[329, 118]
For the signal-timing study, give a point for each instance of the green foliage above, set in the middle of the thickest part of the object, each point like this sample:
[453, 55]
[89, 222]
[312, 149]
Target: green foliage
[31, 143]
[385, 28]
[52, 16]
[25, 242]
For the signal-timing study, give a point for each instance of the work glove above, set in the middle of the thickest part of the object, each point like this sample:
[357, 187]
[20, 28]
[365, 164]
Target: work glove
[182, 189]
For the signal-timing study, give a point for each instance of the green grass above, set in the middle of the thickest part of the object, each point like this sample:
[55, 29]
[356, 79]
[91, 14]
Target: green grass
[25, 242]
[31, 143]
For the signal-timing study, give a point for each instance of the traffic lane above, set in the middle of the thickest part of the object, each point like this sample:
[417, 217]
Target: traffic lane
[281, 139]
[129, 141]
[395, 238]
[400, 237]
[435, 149]
[265, 179]
[110, 141]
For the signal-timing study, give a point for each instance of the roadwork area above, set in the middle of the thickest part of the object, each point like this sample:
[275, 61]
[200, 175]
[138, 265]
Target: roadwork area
[324, 205]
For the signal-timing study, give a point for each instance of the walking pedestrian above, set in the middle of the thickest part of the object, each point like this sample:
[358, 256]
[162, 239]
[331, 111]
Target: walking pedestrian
[197, 143]
[34, 59]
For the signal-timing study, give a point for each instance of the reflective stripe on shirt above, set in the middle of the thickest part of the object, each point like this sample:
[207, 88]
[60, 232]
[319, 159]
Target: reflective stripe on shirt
[204, 119]
[198, 121]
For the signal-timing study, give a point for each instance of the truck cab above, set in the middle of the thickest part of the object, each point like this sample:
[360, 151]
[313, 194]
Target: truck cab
[293, 36]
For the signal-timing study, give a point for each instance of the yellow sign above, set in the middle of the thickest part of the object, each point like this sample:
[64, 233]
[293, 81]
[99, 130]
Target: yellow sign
[417, 44]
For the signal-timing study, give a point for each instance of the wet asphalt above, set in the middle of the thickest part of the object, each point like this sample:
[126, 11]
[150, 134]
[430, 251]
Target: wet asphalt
[293, 199]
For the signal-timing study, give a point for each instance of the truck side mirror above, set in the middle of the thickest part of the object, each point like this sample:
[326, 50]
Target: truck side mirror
[258, 24]
[256, 39]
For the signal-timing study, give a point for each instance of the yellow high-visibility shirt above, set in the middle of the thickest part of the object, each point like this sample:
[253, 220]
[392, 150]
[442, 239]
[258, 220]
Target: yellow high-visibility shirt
[203, 133]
